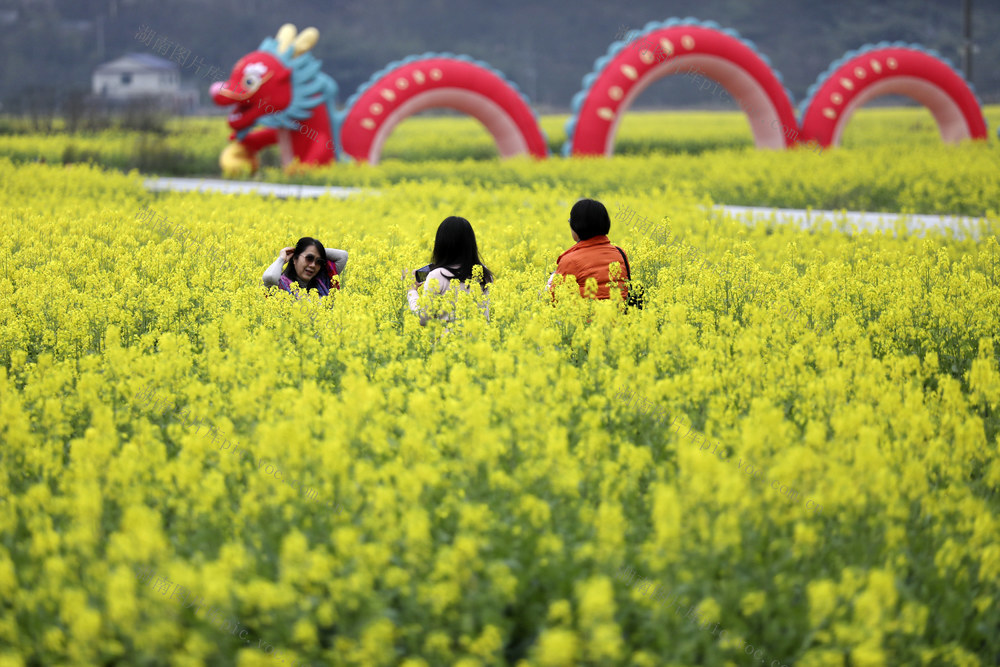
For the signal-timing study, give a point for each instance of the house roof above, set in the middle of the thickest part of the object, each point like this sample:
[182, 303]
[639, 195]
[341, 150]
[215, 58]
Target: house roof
[132, 62]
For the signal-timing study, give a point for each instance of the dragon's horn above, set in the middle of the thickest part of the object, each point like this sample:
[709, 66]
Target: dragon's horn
[285, 36]
[305, 41]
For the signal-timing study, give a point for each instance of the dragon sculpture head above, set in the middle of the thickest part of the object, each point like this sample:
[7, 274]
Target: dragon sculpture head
[258, 85]
[261, 82]
[278, 86]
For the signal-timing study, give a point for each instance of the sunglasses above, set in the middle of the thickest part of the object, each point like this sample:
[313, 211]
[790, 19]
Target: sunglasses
[309, 259]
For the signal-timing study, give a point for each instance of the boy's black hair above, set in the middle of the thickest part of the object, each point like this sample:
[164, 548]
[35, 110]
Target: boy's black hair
[589, 218]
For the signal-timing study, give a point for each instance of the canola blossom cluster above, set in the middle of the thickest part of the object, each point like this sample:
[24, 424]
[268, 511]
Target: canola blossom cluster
[490, 480]
[718, 449]
[162, 585]
[627, 574]
[643, 225]
[224, 444]
[163, 225]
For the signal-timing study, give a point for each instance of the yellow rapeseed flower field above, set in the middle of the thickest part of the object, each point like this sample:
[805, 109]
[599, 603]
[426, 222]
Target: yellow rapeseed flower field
[796, 438]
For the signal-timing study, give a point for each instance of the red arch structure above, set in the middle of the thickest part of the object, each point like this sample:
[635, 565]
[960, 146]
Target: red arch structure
[901, 69]
[439, 80]
[687, 47]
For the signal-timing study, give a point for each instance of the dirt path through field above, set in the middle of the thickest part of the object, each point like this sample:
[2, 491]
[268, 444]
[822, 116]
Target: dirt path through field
[844, 220]
[282, 190]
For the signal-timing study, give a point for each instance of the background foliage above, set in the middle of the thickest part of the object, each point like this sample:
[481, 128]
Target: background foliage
[892, 160]
[546, 48]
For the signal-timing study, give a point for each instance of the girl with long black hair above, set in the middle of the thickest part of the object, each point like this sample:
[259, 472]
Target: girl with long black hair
[455, 256]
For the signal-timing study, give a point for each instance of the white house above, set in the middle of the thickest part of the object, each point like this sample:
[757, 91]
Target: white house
[137, 75]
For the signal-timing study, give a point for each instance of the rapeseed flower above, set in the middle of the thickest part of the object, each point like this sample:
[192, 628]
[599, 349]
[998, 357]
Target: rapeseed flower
[464, 495]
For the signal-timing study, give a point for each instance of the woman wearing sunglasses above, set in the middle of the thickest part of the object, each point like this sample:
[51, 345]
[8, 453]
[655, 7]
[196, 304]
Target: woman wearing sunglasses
[310, 265]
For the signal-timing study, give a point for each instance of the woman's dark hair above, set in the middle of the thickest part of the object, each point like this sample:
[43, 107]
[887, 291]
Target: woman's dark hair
[589, 218]
[455, 245]
[323, 274]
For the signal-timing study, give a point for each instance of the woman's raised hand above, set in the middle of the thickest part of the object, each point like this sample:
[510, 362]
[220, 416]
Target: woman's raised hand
[286, 253]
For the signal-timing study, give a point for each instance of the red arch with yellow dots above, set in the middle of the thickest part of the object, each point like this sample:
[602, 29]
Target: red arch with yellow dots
[894, 71]
[700, 52]
[441, 82]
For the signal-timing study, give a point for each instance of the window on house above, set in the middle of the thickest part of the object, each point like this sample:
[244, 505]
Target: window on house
[126, 78]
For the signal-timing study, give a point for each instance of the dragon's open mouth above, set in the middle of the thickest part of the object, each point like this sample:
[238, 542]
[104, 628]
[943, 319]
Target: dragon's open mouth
[242, 116]
[237, 112]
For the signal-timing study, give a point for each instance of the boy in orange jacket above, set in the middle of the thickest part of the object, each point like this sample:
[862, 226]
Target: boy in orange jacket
[593, 253]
